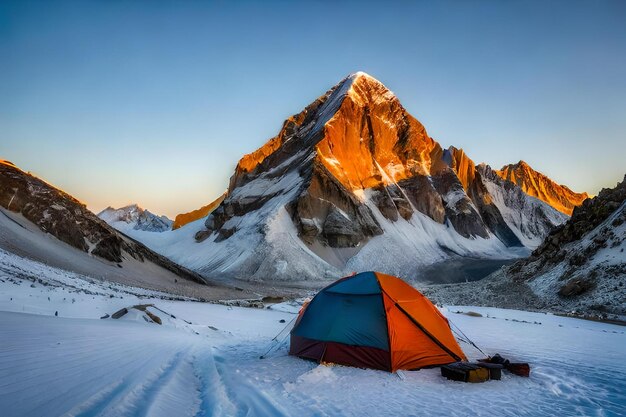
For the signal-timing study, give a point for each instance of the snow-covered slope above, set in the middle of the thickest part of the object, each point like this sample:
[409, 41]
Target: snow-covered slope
[354, 182]
[41, 222]
[204, 360]
[580, 267]
[528, 217]
[592, 274]
[133, 217]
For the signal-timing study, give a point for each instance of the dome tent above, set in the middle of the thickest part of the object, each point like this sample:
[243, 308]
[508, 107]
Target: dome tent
[373, 320]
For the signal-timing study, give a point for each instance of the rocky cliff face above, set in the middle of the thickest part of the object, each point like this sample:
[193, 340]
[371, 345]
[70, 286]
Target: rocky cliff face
[355, 182]
[135, 217]
[538, 185]
[186, 218]
[582, 264]
[67, 219]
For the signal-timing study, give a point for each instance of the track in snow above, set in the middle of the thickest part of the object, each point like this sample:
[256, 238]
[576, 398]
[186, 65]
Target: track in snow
[115, 368]
[204, 361]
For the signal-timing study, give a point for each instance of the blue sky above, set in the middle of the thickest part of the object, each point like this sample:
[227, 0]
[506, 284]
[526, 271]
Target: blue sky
[154, 102]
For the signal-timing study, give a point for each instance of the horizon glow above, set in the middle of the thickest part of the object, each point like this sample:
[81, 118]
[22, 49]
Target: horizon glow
[155, 102]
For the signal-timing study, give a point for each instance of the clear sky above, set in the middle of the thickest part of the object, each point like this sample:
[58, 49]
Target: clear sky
[154, 102]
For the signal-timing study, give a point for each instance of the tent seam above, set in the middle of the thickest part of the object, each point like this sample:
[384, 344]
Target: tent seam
[427, 333]
[382, 293]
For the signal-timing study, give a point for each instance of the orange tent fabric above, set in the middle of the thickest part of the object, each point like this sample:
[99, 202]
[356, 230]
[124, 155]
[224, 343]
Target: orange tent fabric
[376, 321]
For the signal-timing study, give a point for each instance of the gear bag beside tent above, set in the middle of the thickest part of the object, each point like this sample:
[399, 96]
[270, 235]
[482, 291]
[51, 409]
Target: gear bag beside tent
[373, 320]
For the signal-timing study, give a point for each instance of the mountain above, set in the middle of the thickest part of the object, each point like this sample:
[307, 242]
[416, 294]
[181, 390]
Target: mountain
[354, 182]
[41, 222]
[582, 264]
[580, 267]
[185, 218]
[136, 218]
[538, 185]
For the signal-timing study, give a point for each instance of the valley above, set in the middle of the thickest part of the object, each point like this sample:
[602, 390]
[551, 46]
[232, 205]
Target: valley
[456, 270]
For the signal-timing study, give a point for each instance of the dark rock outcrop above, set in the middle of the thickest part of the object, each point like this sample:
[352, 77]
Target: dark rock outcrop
[584, 219]
[583, 262]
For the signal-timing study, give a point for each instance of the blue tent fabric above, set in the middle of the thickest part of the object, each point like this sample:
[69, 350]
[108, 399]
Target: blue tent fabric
[364, 283]
[360, 321]
[352, 319]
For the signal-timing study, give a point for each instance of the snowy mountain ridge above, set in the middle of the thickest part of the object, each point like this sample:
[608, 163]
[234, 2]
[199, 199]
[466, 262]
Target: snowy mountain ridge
[45, 223]
[538, 185]
[352, 183]
[580, 267]
[135, 217]
[582, 264]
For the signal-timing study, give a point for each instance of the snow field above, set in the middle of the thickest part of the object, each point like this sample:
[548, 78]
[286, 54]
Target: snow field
[204, 360]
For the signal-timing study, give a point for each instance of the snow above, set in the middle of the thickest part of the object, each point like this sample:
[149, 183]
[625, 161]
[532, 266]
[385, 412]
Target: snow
[132, 217]
[22, 237]
[420, 241]
[608, 288]
[333, 102]
[267, 244]
[282, 255]
[204, 360]
[520, 210]
[384, 93]
[244, 250]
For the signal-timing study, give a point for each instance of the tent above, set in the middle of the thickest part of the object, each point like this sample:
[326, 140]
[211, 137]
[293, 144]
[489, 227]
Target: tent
[373, 320]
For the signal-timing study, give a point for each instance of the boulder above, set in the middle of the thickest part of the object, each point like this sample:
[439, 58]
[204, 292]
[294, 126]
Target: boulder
[119, 313]
[576, 286]
[340, 231]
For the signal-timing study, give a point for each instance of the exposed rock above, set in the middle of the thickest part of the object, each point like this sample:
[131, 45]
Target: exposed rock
[587, 251]
[308, 230]
[340, 231]
[109, 248]
[224, 234]
[584, 219]
[185, 218]
[391, 202]
[458, 206]
[69, 220]
[136, 218]
[324, 198]
[202, 235]
[119, 313]
[576, 286]
[424, 197]
[273, 299]
[528, 218]
[385, 203]
[538, 185]
[357, 151]
[156, 319]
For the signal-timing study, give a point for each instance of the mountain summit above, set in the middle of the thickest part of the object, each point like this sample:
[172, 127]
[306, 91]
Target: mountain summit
[354, 182]
[134, 217]
[538, 185]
